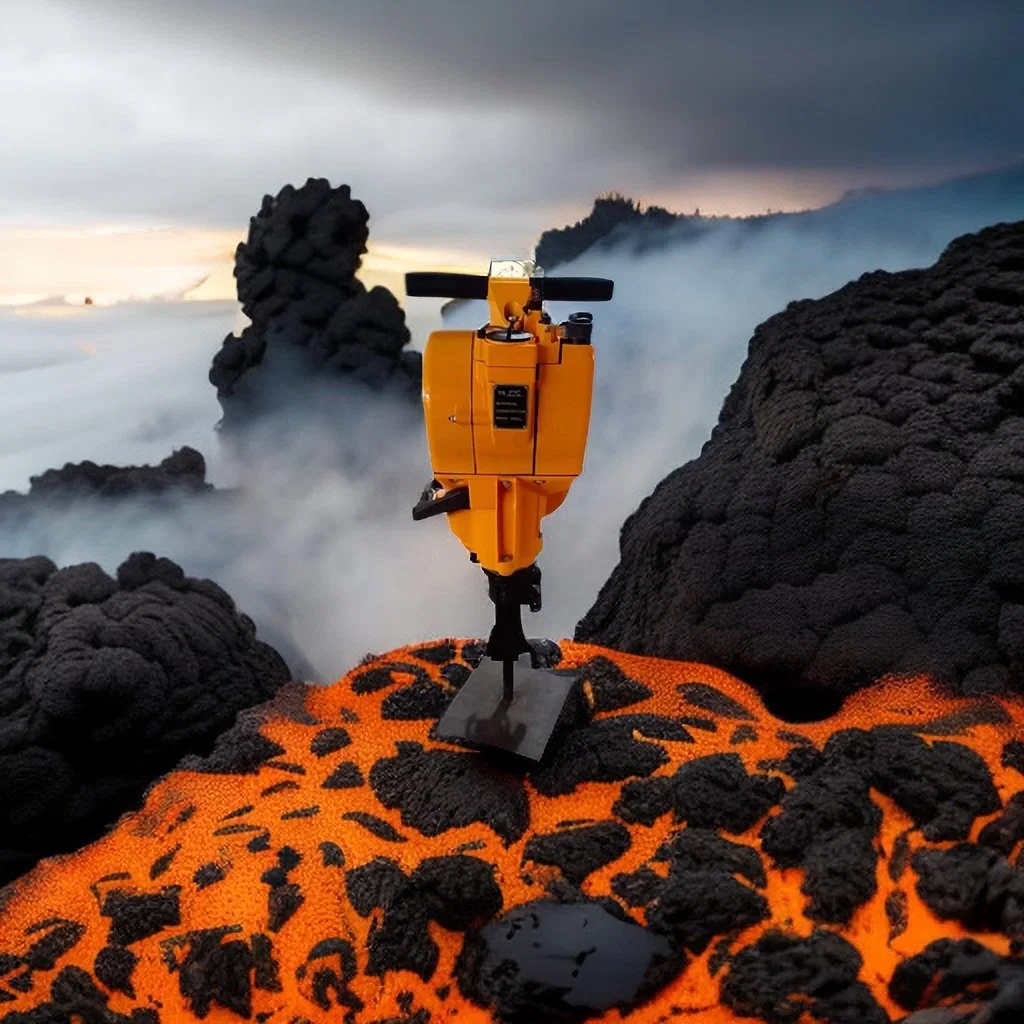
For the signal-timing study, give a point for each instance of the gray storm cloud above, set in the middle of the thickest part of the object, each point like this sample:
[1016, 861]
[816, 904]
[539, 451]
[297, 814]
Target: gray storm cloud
[105, 122]
[862, 83]
[477, 124]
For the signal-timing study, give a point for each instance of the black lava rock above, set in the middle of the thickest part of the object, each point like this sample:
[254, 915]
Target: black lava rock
[859, 508]
[182, 473]
[701, 895]
[829, 823]
[105, 684]
[579, 851]
[780, 977]
[457, 892]
[311, 318]
[437, 790]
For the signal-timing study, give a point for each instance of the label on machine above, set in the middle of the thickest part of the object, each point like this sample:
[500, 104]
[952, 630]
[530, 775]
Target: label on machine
[511, 405]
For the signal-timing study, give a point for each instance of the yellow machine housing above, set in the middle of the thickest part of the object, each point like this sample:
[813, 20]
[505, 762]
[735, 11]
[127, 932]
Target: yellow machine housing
[507, 411]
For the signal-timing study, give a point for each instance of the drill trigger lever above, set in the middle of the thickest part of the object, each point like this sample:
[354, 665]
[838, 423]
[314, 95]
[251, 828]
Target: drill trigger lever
[455, 500]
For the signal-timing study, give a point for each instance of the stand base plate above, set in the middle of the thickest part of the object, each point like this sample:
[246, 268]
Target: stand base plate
[478, 716]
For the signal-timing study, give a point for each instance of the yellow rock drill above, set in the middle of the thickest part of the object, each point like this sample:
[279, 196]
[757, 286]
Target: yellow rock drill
[507, 411]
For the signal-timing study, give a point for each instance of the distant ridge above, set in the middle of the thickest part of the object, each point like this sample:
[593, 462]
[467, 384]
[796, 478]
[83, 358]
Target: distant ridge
[616, 219]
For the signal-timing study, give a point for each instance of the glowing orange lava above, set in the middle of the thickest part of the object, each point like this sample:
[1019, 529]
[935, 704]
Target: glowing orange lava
[207, 849]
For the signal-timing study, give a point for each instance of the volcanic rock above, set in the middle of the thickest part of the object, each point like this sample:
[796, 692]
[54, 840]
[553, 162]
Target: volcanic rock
[104, 685]
[859, 508]
[183, 472]
[442, 884]
[311, 318]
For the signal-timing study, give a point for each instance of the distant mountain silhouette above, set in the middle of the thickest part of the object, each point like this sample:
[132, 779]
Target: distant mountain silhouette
[610, 212]
[967, 203]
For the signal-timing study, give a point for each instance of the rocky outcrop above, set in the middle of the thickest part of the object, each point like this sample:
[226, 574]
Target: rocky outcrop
[183, 472]
[859, 508]
[105, 684]
[311, 318]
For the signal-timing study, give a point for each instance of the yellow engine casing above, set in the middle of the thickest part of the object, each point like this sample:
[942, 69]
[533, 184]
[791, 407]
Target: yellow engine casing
[509, 420]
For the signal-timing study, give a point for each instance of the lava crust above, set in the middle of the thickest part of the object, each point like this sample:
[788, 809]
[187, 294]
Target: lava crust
[861, 869]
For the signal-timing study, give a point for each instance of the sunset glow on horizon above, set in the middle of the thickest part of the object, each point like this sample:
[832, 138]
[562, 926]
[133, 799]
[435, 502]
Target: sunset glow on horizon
[53, 266]
[48, 265]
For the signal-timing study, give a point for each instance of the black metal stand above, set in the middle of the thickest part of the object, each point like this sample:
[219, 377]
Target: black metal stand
[507, 640]
[518, 717]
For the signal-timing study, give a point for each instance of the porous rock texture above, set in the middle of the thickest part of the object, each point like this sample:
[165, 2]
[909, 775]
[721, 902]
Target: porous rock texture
[680, 854]
[312, 320]
[859, 507]
[105, 684]
[183, 472]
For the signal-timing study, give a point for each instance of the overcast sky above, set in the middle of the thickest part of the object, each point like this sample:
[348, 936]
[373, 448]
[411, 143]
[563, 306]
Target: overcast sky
[471, 126]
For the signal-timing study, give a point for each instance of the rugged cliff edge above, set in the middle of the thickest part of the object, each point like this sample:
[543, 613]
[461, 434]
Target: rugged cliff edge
[859, 508]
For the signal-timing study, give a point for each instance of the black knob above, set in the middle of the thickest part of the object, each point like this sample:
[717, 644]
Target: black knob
[578, 328]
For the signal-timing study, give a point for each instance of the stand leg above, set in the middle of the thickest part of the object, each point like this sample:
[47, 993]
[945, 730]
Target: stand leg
[507, 640]
[520, 718]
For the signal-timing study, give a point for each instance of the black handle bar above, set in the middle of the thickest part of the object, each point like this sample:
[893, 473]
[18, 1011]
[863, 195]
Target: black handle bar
[574, 289]
[437, 285]
[446, 286]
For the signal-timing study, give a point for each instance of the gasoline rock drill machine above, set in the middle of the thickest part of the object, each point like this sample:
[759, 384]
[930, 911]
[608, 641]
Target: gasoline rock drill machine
[507, 411]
